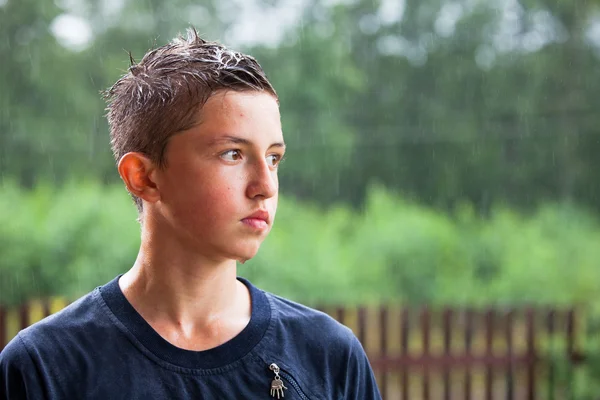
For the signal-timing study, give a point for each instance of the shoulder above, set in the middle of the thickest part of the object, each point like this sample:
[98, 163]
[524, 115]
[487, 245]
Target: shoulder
[318, 352]
[309, 324]
[14, 354]
[311, 335]
[64, 323]
[28, 359]
[18, 374]
[64, 337]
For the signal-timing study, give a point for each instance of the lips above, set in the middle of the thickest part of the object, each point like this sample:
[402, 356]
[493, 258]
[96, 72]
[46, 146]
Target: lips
[261, 215]
[258, 220]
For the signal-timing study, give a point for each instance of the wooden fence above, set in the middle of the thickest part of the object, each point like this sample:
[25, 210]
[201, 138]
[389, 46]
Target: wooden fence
[469, 354]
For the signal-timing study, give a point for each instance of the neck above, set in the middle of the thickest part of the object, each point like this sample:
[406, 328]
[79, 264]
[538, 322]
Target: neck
[194, 302]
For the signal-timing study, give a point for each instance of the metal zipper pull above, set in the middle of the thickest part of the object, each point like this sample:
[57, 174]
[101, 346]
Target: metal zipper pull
[277, 386]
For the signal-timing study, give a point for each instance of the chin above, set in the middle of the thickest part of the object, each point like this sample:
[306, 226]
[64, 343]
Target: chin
[243, 259]
[243, 255]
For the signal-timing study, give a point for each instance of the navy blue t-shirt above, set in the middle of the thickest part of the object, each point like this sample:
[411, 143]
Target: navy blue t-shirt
[100, 348]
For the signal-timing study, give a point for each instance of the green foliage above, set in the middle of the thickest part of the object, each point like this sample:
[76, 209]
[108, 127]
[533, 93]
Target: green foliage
[67, 240]
[397, 250]
[63, 241]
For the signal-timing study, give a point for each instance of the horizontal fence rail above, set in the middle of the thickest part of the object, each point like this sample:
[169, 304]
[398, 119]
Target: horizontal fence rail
[423, 353]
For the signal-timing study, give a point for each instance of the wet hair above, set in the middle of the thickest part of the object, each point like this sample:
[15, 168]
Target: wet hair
[163, 93]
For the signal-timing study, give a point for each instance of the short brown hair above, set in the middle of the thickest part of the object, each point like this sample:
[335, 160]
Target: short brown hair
[161, 95]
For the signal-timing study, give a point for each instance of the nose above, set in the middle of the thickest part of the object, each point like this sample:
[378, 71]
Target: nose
[263, 180]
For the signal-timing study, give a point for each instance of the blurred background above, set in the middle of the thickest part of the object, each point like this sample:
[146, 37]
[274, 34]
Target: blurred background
[441, 153]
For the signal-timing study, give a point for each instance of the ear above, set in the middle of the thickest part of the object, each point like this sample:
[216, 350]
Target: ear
[138, 172]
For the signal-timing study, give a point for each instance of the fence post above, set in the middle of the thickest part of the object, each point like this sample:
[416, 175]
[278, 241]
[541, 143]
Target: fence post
[489, 337]
[531, 355]
[550, 328]
[447, 328]
[468, 345]
[405, 330]
[425, 332]
[383, 347]
[510, 390]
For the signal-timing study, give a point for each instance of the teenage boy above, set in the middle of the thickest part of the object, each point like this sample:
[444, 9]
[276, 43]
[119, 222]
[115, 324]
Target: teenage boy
[195, 129]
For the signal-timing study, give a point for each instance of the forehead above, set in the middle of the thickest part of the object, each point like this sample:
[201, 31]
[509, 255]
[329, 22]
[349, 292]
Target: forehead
[240, 113]
[230, 100]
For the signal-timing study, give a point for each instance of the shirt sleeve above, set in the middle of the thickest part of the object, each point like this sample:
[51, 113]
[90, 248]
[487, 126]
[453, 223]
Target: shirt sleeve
[19, 378]
[360, 380]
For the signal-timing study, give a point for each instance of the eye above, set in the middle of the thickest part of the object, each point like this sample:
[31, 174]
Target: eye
[231, 155]
[274, 159]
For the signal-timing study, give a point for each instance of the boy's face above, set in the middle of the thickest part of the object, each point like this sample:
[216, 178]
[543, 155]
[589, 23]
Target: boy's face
[218, 191]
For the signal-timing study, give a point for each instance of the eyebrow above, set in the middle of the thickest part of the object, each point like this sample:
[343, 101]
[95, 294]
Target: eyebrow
[239, 140]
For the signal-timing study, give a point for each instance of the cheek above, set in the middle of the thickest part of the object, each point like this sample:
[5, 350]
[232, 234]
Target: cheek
[215, 198]
[204, 194]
